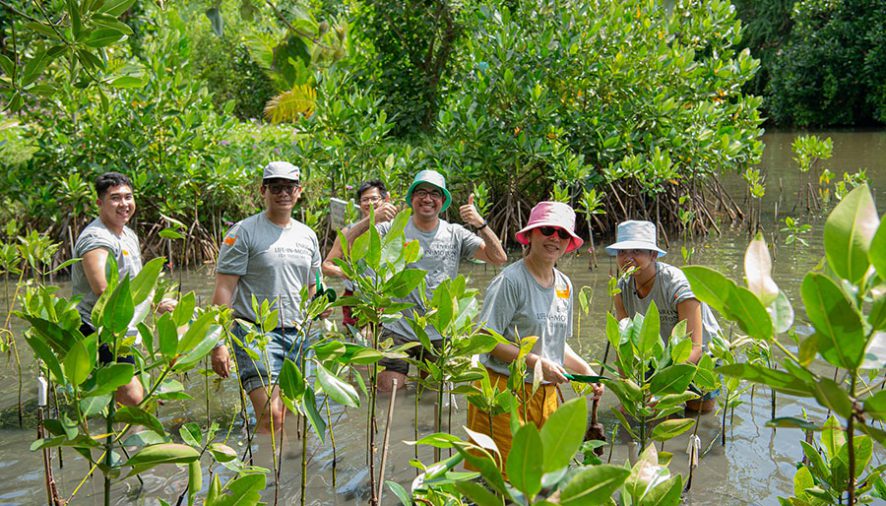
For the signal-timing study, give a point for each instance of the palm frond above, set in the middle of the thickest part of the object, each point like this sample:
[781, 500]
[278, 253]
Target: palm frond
[290, 105]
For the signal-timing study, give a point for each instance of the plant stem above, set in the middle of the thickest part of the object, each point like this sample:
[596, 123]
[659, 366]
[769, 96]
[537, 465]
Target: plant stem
[331, 438]
[384, 446]
[850, 435]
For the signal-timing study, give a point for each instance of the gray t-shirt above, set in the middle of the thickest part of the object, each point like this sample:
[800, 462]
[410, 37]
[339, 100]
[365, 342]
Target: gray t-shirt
[273, 263]
[516, 306]
[669, 289]
[125, 250]
[442, 250]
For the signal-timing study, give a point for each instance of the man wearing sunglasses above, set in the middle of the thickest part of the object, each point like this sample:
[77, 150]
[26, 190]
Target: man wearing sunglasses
[444, 245]
[270, 256]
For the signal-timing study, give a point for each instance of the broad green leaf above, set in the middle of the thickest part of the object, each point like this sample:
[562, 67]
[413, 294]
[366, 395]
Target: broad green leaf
[877, 250]
[832, 437]
[477, 493]
[197, 330]
[171, 234]
[168, 336]
[191, 434]
[593, 485]
[779, 380]
[195, 481]
[437, 440]
[645, 474]
[222, 452]
[115, 7]
[670, 429]
[840, 335]
[109, 377]
[848, 232]
[111, 23]
[746, 309]
[184, 310]
[709, 286]
[92, 406]
[34, 67]
[127, 82]
[790, 422]
[650, 332]
[198, 352]
[673, 379]
[337, 390]
[167, 453]
[78, 363]
[119, 309]
[781, 312]
[50, 360]
[291, 381]
[145, 438]
[400, 492]
[877, 315]
[404, 282]
[6, 65]
[51, 334]
[828, 393]
[309, 406]
[758, 270]
[137, 416]
[664, 494]
[563, 432]
[104, 37]
[524, 465]
[875, 405]
[487, 468]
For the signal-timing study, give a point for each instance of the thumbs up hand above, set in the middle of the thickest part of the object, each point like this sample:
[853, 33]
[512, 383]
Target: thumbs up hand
[470, 215]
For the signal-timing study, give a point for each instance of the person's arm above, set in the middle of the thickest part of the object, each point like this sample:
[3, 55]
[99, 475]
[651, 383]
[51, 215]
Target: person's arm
[620, 313]
[690, 310]
[574, 362]
[491, 251]
[225, 284]
[384, 212]
[94, 263]
[328, 267]
[551, 371]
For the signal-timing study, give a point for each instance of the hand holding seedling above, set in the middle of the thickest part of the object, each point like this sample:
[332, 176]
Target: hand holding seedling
[470, 215]
[385, 212]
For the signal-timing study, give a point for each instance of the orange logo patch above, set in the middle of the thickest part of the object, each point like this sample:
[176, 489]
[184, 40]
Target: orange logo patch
[230, 240]
[126, 253]
[563, 292]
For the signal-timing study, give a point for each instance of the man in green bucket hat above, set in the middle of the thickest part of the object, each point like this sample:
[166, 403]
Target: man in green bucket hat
[444, 245]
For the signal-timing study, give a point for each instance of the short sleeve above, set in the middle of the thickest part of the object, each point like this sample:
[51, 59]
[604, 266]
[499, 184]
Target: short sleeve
[469, 241]
[499, 304]
[91, 241]
[233, 256]
[383, 228]
[678, 286]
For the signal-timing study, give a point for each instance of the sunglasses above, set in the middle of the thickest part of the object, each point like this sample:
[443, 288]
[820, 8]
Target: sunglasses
[549, 231]
[276, 189]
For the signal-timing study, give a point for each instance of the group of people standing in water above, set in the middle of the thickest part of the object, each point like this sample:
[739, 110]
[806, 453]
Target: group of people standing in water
[272, 256]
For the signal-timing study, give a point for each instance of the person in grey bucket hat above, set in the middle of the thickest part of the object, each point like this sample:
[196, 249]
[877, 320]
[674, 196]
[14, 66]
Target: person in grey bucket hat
[444, 245]
[270, 256]
[636, 251]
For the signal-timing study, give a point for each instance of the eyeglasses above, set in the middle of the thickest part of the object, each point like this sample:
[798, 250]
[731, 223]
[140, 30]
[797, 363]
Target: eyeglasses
[370, 200]
[276, 189]
[548, 231]
[422, 193]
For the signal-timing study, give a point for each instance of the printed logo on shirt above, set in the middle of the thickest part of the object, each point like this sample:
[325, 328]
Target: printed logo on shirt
[230, 240]
[126, 253]
[562, 292]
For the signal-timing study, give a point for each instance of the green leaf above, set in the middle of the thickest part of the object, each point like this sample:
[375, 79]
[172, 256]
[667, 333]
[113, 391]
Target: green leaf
[399, 492]
[112, 376]
[877, 250]
[404, 282]
[171, 234]
[438, 440]
[477, 493]
[198, 329]
[664, 494]
[781, 312]
[34, 67]
[673, 379]
[875, 405]
[198, 352]
[137, 416]
[670, 429]
[115, 7]
[191, 434]
[92, 406]
[848, 232]
[309, 404]
[143, 283]
[104, 21]
[563, 432]
[119, 309]
[78, 363]
[6, 65]
[291, 381]
[650, 333]
[167, 453]
[790, 422]
[104, 37]
[337, 390]
[184, 310]
[840, 334]
[524, 464]
[709, 286]
[195, 481]
[758, 270]
[168, 336]
[222, 452]
[745, 308]
[593, 485]
[779, 380]
[828, 393]
[44, 353]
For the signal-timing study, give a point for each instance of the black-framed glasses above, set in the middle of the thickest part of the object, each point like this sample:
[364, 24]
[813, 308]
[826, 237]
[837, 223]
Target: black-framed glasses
[370, 200]
[548, 231]
[278, 188]
[422, 193]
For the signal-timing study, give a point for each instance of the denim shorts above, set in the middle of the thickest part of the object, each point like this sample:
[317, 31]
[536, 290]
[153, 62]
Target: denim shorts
[282, 342]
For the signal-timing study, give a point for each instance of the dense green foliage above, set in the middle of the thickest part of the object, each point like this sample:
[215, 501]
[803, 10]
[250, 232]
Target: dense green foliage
[627, 108]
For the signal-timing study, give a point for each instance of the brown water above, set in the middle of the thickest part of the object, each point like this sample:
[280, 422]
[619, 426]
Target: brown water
[755, 467]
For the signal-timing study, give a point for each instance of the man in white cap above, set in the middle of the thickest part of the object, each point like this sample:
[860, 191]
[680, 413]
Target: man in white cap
[443, 246]
[270, 256]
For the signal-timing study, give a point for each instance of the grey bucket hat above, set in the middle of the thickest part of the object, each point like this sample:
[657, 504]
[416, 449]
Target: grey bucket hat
[635, 235]
[281, 170]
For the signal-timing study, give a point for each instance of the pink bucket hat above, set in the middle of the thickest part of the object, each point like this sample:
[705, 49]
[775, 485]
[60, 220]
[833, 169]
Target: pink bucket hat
[551, 214]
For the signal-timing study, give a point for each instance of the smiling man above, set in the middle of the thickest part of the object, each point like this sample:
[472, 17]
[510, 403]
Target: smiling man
[109, 235]
[270, 256]
[444, 245]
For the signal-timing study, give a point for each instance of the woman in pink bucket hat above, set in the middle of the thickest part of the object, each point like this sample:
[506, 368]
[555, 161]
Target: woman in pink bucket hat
[635, 248]
[532, 298]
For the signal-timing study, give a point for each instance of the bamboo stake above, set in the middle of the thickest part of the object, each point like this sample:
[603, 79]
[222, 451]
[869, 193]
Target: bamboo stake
[384, 451]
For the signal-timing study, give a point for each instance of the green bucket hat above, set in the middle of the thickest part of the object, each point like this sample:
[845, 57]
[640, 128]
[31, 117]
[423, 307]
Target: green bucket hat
[434, 178]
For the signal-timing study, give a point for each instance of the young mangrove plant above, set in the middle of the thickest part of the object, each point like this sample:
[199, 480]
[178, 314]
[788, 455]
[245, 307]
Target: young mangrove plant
[87, 386]
[846, 308]
[651, 379]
